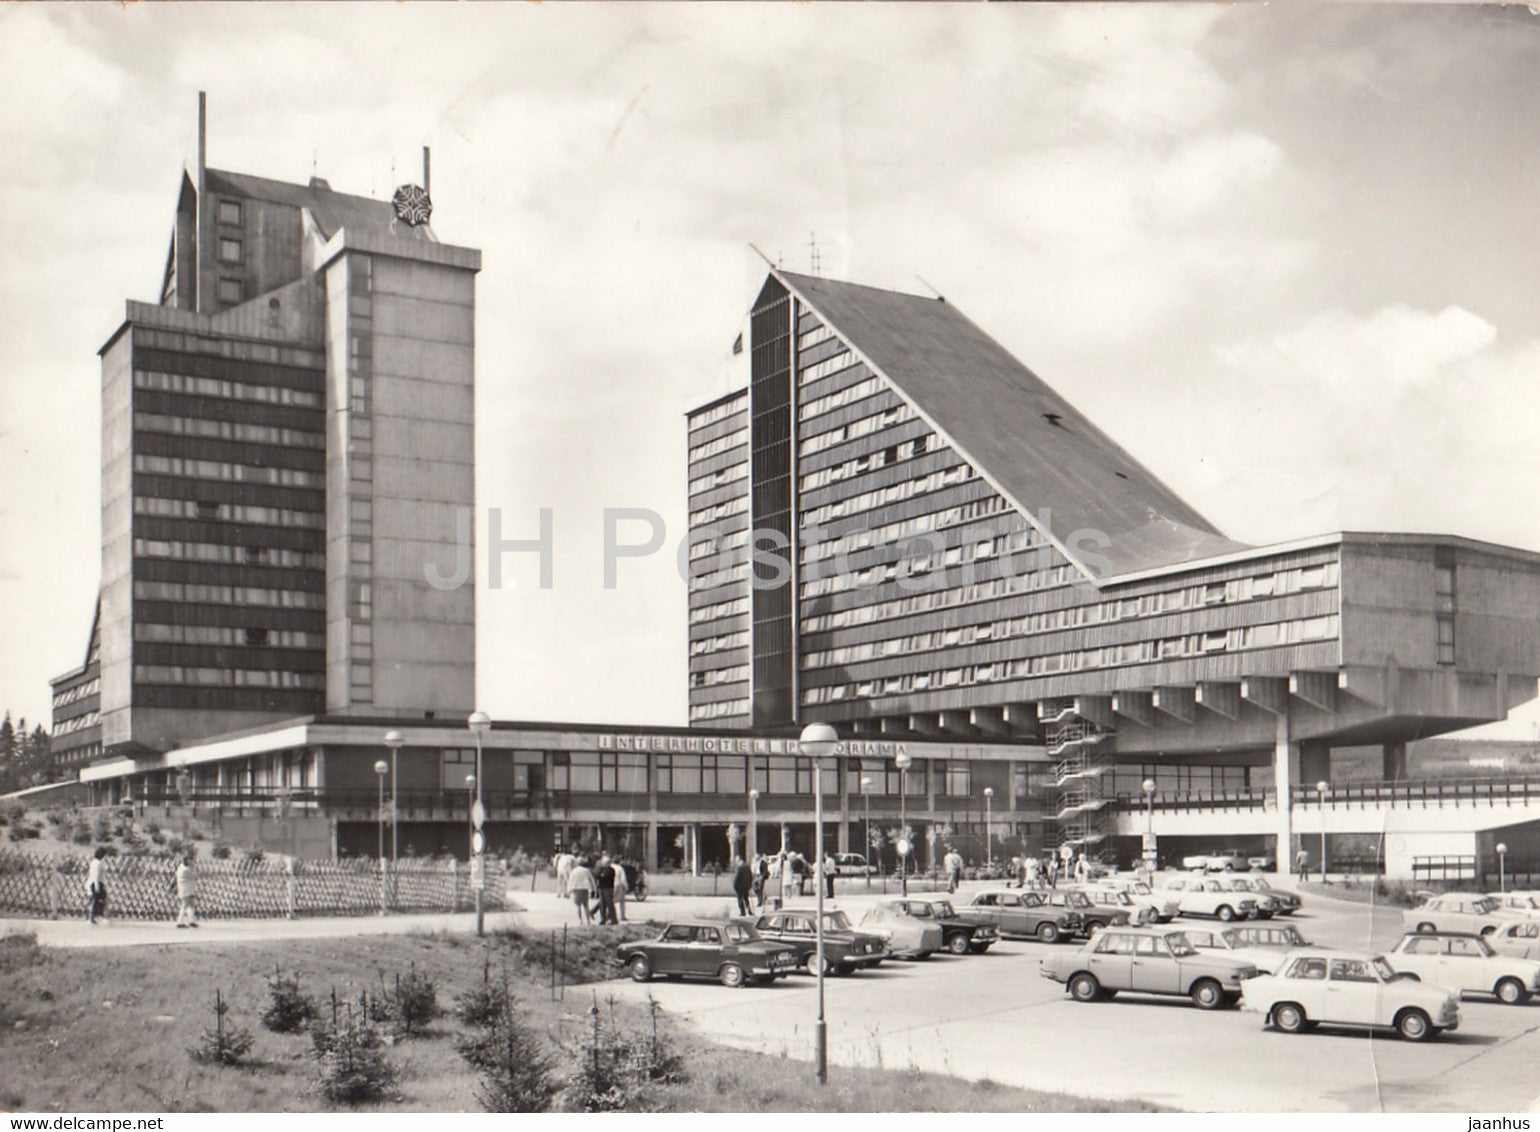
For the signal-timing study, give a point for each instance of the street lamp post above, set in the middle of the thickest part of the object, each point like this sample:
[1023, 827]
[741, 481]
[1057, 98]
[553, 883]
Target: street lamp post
[903, 762]
[381, 768]
[1321, 788]
[1148, 786]
[753, 841]
[394, 741]
[480, 723]
[866, 806]
[817, 743]
[1502, 867]
[989, 824]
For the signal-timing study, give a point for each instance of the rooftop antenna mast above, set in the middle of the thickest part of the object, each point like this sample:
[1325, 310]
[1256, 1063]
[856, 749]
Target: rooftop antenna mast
[814, 260]
[203, 162]
[427, 171]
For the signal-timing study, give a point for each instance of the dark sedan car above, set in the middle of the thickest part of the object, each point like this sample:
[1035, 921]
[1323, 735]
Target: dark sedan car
[961, 933]
[732, 953]
[844, 948]
[1026, 913]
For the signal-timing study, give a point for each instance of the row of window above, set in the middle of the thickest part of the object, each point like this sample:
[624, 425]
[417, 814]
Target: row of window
[725, 542]
[215, 387]
[719, 710]
[711, 612]
[814, 550]
[721, 444]
[209, 510]
[882, 458]
[229, 430]
[809, 338]
[719, 412]
[861, 390]
[254, 635]
[229, 348]
[921, 564]
[79, 723]
[832, 364]
[915, 603]
[221, 470]
[1139, 652]
[223, 552]
[200, 594]
[1200, 779]
[730, 474]
[226, 677]
[720, 643]
[79, 692]
[713, 676]
[735, 506]
[856, 429]
[886, 496]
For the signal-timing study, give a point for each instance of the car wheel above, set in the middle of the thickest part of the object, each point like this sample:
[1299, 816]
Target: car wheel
[1426, 927]
[811, 963]
[1093, 928]
[1084, 988]
[1229, 866]
[1225, 913]
[1048, 933]
[1207, 995]
[732, 975]
[1511, 992]
[979, 948]
[641, 969]
[1289, 1017]
[957, 944]
[1413, 1025]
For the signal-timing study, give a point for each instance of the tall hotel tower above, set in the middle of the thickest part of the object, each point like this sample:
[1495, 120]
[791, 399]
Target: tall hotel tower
[287, 441]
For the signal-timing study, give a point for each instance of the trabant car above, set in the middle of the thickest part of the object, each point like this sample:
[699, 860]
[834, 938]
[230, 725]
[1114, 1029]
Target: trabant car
[1315, 986]
[907, 935]
[1468, 964]
[1260, 945]
[1206, 896]
[730, 952]
[1459, 912]
[1520, 939]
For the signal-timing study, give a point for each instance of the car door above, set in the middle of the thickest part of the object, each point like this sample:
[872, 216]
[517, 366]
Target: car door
[704, 954]
[668, 953]
[1304, 981]
[1154, 968]
[798, 931]
[1421, 955]
[1353, 993]
[1111, 960]
[987, 906]
[1463, 966]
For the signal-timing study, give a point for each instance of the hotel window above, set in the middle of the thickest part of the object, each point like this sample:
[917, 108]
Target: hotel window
[231, 290]
[454, 764]
[956, 778]
[229, 212]
[229, 250]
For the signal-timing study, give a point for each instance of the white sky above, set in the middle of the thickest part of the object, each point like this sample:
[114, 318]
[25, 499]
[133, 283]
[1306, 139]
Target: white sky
[1286, 255]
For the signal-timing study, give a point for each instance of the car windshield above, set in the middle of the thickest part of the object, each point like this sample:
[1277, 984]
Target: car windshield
[836, 922]
[1179, 945]
[943, 909]
[1383, 969]
[1261, 882]
[1294, 938]
[920, 911]
[1141, 888]
[1243, 884]
[1482, 907]
[1484, 947]
[741, 933]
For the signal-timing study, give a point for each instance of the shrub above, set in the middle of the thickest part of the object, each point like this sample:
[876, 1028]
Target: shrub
[80, 833]
[289, 1010]
[58, 818]
[351, 1061]
[11, 812]
[483, 1005]
[221, 851]
[409, 1005]
[101, 827]
[615, 1067]
[516, 1072]
[224, 1044]
[152, 828]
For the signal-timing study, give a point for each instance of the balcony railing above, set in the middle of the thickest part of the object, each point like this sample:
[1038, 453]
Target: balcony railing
[1432, 792]
[498, 803]
[1204, 800]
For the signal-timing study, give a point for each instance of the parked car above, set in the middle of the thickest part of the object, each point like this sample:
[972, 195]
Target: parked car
[1265, 862]
[1223, 861]
[1459, 912]
[1261, 946]
[853, 865]
[844, 948]
[1520, 939]
[908, 936]
[1025, 913]
[1468, 964]
[1108, 898]
[961, 933]
[730, 952]
[1204, 896]
[1147, 961]
[1267, 903]
[1163, 907]
[1288, 902]
[1314, 986]
[1093, 916]
[1526, 904]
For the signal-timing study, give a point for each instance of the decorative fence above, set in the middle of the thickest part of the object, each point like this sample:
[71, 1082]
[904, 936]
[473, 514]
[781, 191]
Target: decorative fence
[144, 888]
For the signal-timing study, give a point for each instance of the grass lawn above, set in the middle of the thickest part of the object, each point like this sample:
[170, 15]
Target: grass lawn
[109, 1030]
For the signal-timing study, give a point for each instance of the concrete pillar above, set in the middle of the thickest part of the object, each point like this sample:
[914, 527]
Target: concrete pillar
[1394, 759]
[650, 843]
[1286, 775]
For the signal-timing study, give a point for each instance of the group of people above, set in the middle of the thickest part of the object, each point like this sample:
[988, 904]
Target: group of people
[184, 884]
[596, 886]
[778, 877]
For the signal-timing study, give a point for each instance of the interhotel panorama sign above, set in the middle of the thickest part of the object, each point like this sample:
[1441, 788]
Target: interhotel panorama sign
[708, 745]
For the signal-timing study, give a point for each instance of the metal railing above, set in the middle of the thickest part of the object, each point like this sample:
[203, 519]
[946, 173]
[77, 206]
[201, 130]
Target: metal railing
[505, 803]
[1202, 800]
[1425, 792]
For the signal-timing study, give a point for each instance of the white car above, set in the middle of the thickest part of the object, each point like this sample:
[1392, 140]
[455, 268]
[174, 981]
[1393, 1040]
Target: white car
[1466, 963]
[1520, 939]
[1204, 896]
[1260, 945]
[1459, 912]
[1224, 861]
[1285, 902]
[1526, 904]
[853, 865]
[1315, 986]
[1163, 907]
[1267, 905]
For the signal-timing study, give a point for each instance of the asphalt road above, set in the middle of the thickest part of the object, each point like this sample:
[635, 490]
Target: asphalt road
[993, 1016]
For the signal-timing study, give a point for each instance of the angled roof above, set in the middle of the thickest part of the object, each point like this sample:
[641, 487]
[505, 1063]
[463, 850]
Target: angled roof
[1033, 445]
[331, 209]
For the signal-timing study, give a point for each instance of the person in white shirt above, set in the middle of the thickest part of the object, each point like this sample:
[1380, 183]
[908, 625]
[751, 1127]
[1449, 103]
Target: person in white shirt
[186, 894]
[564, 864]
[96, 888]
[580, 882]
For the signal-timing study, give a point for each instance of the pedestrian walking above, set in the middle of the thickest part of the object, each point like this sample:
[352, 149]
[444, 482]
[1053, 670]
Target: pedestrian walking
[953, 864]
[1302, 865]
[788, 879]
[580, 883]
[186, 894]
[761, 878]
[743, 885]
[1053, 872]
[96, 887]
[1082, 868]
[565, 862]
[604, 877]
[622, 886]
[830, 871]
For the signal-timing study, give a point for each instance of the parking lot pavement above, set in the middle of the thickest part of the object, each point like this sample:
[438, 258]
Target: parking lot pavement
[993, 1016]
